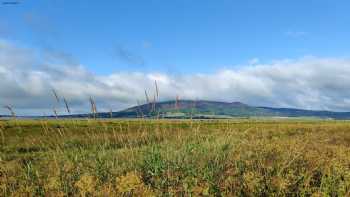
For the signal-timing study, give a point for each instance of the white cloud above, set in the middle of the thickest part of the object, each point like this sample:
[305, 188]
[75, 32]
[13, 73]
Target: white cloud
[311, 83]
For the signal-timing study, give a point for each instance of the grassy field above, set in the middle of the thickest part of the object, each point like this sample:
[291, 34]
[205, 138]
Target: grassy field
[174, 158]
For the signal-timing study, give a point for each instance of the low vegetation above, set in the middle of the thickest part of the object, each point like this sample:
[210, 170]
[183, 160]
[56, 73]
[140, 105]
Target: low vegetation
[174, 158]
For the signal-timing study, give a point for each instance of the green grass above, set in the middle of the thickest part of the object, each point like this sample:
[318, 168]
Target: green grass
[174, 158]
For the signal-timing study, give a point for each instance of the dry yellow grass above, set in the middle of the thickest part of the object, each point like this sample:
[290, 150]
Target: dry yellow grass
[174, 158]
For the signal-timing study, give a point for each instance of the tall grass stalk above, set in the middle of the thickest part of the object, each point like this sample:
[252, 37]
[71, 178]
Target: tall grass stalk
[14, 117]
[139, 109]
[2, 136]
[54, 92]
[67, 106]
[93, 107]
[111, 113]
[147, 98]
[55, 113]
[10, 109]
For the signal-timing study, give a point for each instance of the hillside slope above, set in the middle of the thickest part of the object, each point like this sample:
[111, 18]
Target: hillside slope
[216, 109]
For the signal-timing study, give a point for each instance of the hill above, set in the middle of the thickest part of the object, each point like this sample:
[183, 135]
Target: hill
[215, 109]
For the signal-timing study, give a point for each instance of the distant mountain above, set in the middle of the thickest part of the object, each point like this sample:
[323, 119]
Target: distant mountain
[214, 109]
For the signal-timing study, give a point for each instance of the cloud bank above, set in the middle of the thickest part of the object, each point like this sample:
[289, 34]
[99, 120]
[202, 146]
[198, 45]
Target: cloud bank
[28, 77]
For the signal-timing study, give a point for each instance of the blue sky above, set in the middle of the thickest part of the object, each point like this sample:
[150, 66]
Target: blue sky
[275, 53]
[179, 36]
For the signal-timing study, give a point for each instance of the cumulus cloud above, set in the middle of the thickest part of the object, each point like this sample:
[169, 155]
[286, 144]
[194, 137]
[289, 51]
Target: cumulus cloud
[27, 80]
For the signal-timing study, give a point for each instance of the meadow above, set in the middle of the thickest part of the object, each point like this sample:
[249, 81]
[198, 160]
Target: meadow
[249, 157]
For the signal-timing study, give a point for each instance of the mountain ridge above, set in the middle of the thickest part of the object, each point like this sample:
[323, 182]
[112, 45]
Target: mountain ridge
[214, 109]
[205, 109]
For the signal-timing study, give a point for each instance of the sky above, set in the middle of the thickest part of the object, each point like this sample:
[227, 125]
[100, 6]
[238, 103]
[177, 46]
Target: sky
[263, 53]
